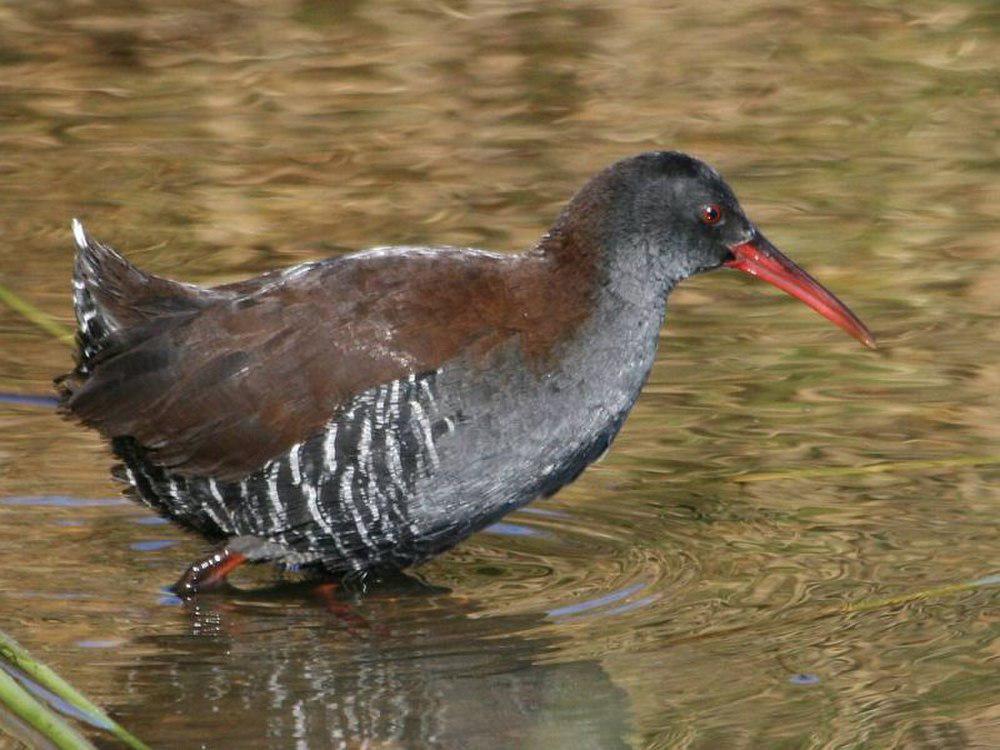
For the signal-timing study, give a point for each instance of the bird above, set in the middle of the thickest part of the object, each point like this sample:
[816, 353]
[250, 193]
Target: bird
[364, 413]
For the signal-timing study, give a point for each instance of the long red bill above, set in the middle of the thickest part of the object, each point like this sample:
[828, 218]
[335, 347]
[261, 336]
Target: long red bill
[760, 258]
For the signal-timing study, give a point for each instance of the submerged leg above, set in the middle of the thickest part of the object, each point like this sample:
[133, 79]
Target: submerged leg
[328, 593]
[209, 572]
[337, 600]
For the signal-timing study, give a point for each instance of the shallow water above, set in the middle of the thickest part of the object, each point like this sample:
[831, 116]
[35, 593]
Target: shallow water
[790, 544]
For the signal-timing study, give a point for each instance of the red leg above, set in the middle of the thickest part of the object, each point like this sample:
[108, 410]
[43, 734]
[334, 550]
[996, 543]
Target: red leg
[209, 572]
[344, 611]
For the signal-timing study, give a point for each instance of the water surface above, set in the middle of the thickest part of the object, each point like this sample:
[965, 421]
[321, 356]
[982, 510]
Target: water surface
[742, 570]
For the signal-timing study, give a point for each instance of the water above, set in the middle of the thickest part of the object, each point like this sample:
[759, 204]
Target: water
[742, 570]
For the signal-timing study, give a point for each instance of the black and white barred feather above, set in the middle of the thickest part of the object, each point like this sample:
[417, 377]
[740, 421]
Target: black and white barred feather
[336, 500]
[94, 325]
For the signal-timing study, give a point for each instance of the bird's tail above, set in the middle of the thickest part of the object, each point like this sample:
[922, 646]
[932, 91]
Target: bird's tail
[98, 273]
[113, 300]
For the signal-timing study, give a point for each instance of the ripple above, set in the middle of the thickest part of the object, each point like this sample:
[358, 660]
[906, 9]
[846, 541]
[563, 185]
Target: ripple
[512, 529]
[600, 601]
[152, 545]
[807, 680]
[151, 521]
[62, 501]
[25, 399]
[100, 643]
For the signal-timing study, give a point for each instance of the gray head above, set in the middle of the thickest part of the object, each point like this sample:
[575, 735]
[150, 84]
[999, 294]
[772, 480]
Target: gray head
[663, 213]
[655, 219]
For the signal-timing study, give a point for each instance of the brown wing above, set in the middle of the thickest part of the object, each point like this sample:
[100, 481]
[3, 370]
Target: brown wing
[215, 382]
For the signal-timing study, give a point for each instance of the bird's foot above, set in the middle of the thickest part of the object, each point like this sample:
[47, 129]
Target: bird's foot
[208, 573]
[331, 594]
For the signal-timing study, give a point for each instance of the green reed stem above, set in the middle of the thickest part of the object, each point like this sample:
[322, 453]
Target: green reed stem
[15, 654]
[34, 315]
[43, 720]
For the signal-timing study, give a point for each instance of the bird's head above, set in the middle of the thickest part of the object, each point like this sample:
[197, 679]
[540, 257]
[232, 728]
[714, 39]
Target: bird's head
[671, 216]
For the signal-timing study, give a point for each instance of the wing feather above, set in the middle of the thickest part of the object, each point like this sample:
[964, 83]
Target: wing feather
[215, 382]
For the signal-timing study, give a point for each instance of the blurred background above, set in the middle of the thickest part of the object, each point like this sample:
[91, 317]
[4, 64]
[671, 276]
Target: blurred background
[793, 542]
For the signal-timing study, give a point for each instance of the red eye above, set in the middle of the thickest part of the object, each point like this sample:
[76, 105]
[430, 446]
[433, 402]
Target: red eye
[710, 214]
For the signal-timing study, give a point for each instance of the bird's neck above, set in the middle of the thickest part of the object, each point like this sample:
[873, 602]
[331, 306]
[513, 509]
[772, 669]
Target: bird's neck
[614, 348]
[599, 368]
[618, 281]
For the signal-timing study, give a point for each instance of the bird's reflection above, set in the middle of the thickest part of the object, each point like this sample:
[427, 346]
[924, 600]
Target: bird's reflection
[423, 669]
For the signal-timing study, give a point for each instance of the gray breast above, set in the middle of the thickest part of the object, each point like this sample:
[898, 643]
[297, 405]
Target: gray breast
[522, 433]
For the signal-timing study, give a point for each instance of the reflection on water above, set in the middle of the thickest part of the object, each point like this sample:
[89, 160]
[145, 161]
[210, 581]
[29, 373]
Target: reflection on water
[423, 672]
[740, 570]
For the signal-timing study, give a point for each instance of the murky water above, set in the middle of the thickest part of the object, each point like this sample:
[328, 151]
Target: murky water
[743, 569]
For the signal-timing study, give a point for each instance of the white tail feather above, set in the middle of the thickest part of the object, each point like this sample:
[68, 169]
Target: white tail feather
[80, 235]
